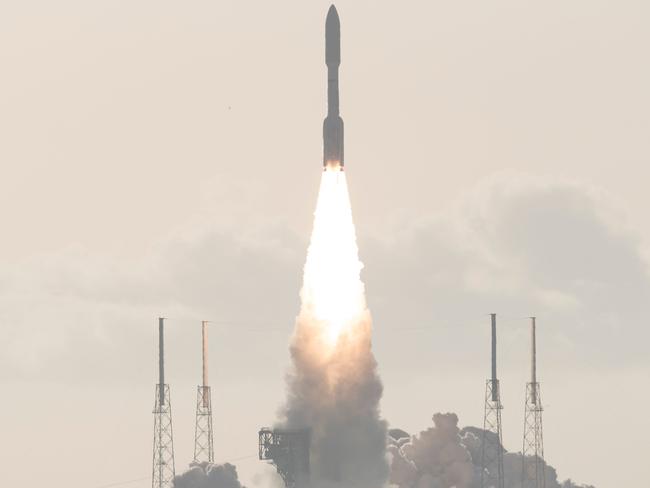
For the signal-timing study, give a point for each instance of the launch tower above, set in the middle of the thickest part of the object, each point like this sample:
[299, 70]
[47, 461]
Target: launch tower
[532, 472]
[288, 450]
[491, 445]
[163, 441]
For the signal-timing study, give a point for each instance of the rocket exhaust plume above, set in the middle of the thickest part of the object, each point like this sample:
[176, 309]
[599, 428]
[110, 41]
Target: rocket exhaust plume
[333, 386]
[334, 389]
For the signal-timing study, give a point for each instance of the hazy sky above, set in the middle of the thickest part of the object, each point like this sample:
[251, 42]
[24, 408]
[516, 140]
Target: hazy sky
[163, 158]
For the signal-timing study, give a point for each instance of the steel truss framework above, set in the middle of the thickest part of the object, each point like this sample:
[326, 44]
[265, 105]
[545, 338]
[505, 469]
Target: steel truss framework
[203, 444]
[163, 441]
[532, 470]
[491, 445]
[288, 450]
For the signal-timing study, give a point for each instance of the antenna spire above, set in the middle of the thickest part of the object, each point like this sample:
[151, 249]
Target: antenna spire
[203, 440]
[204, 336]
[161, 359]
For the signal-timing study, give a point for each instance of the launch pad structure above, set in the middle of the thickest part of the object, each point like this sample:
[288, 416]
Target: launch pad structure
[288, 450]
[533, 464]
[163, 470]
[491, 445]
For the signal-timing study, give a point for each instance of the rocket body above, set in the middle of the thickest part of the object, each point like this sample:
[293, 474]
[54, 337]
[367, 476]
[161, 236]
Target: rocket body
[333, 123]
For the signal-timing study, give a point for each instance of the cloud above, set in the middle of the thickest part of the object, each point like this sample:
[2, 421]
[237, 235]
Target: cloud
[519, 246]
[61, 311]
[514, 245]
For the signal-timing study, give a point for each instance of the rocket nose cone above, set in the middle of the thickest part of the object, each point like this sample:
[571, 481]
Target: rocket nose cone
[332, 16]
[332, 37]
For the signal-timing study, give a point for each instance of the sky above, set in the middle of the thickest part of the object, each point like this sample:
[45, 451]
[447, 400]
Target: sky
[163, 158]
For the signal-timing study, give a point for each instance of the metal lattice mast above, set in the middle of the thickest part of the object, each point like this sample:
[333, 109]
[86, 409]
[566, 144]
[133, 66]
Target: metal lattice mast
[491, 445]
[532, 471]
[203, 446]
[163, 440]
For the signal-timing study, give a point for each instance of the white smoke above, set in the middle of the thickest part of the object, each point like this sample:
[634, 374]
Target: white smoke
[333, 386]
[435, 458]
[446, 457]
[207, 475]
[472, 439]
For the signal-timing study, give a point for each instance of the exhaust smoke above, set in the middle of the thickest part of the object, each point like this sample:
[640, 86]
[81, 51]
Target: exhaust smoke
[436, 458]
[208, 475]
[333, 385]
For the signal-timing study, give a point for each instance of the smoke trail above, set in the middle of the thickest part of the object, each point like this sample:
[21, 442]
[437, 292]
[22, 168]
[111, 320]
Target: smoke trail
[333, 386]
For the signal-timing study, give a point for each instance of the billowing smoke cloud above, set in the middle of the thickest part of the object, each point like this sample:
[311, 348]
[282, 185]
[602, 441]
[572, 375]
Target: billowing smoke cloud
[446, 457]
[435, 458]
[207, 475]
[333, 386]
[512, 462]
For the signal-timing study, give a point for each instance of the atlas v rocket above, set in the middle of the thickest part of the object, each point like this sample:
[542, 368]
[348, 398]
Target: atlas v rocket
[333, 123]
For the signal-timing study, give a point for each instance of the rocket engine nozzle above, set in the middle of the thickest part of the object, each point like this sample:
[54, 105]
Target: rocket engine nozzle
[333, 142]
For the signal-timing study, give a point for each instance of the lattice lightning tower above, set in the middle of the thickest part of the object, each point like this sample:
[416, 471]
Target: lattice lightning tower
[203, 445]
[491, 445]
[533, 465]
[163, 440]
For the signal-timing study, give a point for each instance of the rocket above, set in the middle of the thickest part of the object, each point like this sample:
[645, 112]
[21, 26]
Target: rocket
[333, 123]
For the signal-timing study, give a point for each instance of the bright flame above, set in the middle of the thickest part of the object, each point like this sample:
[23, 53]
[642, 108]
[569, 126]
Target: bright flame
[333, 292]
